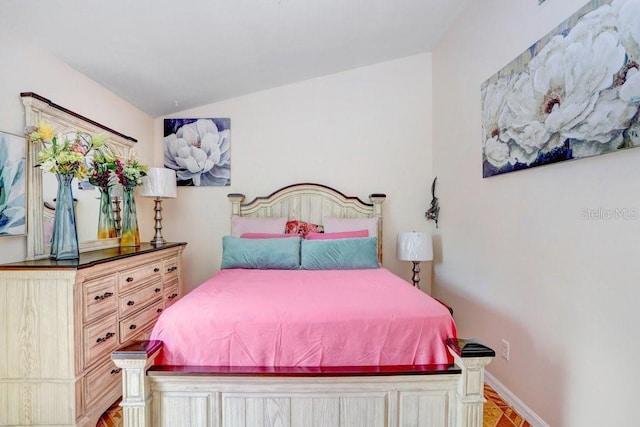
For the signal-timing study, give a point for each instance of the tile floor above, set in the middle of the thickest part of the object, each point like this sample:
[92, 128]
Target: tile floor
[497, 413]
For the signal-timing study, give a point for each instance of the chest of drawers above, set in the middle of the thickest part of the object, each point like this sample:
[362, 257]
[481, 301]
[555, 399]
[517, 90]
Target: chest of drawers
[60, 321]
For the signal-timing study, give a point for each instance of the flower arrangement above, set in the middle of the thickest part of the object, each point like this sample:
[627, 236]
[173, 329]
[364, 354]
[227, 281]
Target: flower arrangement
[102, 168]
[81, 155]
[69, 157]
[129, 175]
[130, 172]
[64, 156]
[101, 175]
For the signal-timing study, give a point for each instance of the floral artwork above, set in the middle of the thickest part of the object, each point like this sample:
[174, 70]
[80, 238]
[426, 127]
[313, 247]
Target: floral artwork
[573, 94]
[199, 150]
[12, 185]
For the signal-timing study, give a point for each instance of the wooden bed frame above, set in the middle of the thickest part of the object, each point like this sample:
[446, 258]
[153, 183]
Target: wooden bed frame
[369, 396]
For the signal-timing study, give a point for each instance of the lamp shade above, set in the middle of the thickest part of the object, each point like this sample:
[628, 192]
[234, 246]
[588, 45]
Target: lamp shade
[414, 246]
[159, 183]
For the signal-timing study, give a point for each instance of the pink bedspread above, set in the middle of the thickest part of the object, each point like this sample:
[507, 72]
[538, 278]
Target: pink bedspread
[304, 318]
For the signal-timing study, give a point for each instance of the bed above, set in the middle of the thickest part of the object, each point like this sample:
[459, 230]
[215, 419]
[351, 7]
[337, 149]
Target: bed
[315, 340]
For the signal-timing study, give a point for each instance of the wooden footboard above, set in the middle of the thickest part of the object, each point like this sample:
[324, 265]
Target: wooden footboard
[426, 395]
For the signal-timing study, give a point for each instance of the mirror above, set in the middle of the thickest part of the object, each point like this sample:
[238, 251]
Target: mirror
[42, 187]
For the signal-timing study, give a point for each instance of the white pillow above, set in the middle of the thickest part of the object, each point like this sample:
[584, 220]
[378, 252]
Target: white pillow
[339, 225]
[245, 224]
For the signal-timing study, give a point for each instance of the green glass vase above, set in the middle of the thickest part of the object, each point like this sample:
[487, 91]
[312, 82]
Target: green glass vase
[106, 222]
[130, 235]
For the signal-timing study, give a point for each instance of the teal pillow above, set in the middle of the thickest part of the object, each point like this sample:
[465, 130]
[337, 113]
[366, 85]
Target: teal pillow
[339, 254]
[266, 254]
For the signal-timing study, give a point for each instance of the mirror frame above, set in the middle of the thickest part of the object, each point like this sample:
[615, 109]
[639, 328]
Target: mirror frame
[38, 109]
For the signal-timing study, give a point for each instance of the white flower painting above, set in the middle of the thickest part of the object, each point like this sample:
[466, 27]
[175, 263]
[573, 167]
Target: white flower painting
[199, 150]
[12, 185]
[573, 94]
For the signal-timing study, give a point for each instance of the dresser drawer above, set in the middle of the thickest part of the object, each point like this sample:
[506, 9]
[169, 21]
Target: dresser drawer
[99, 297]
[171, 294]
[99, 381]
[137, 323]
[146, 335]
[100, 339]
[170, 268]
[132, 277]
[133, 301]
[65, 318]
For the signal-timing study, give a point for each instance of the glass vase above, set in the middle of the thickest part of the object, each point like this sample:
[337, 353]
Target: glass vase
[130, 235]
[64, 239]
[106, 222]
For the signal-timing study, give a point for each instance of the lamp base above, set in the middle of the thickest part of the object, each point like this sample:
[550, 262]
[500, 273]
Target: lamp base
[157, 242]
[416, 274]
[158, 239]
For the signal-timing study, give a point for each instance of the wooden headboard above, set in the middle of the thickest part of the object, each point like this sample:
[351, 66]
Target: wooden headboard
[310, 203]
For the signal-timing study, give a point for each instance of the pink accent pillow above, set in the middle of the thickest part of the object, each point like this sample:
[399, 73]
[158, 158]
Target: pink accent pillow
[267, 235]
[246, 224]
[302, 228]
[338, 225]
[340, 235]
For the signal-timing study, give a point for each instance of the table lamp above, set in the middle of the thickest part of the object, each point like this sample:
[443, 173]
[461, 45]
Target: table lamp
[160, 183]
[415, 247]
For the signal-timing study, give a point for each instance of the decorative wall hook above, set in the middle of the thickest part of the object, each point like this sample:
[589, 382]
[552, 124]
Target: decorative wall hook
[434, 209]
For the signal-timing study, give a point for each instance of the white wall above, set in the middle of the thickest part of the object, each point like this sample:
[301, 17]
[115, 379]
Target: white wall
[363, 131]
[516, 258]
[26, 68]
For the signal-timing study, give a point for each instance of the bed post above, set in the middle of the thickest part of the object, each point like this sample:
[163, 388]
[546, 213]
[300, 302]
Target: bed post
[235, 199]
[471, 357]
[377, 199]
[134, 360]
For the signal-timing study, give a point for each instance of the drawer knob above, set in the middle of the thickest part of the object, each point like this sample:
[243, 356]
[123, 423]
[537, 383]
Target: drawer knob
[172, 296]
[157, 290]
[116, 371]
[132, 327]
[130, 303]
[159, 310]
[103, 296]
[129, 279]
[170, 269]
[106, 337]
[155, 270]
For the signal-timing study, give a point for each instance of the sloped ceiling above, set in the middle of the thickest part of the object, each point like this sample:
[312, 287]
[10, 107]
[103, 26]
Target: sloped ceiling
[166, 56]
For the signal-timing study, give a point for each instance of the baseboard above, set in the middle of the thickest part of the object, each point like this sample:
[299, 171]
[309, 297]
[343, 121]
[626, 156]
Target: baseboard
[514, 402]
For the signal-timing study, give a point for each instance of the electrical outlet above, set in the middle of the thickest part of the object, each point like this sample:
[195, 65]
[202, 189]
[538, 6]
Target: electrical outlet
[505, 349]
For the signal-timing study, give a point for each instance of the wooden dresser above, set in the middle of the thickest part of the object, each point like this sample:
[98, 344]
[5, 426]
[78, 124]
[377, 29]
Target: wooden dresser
[60, 321]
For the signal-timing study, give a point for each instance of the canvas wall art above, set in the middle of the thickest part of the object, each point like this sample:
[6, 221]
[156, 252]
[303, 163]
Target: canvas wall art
[199, 150]
[12, 185]
[573, 94]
